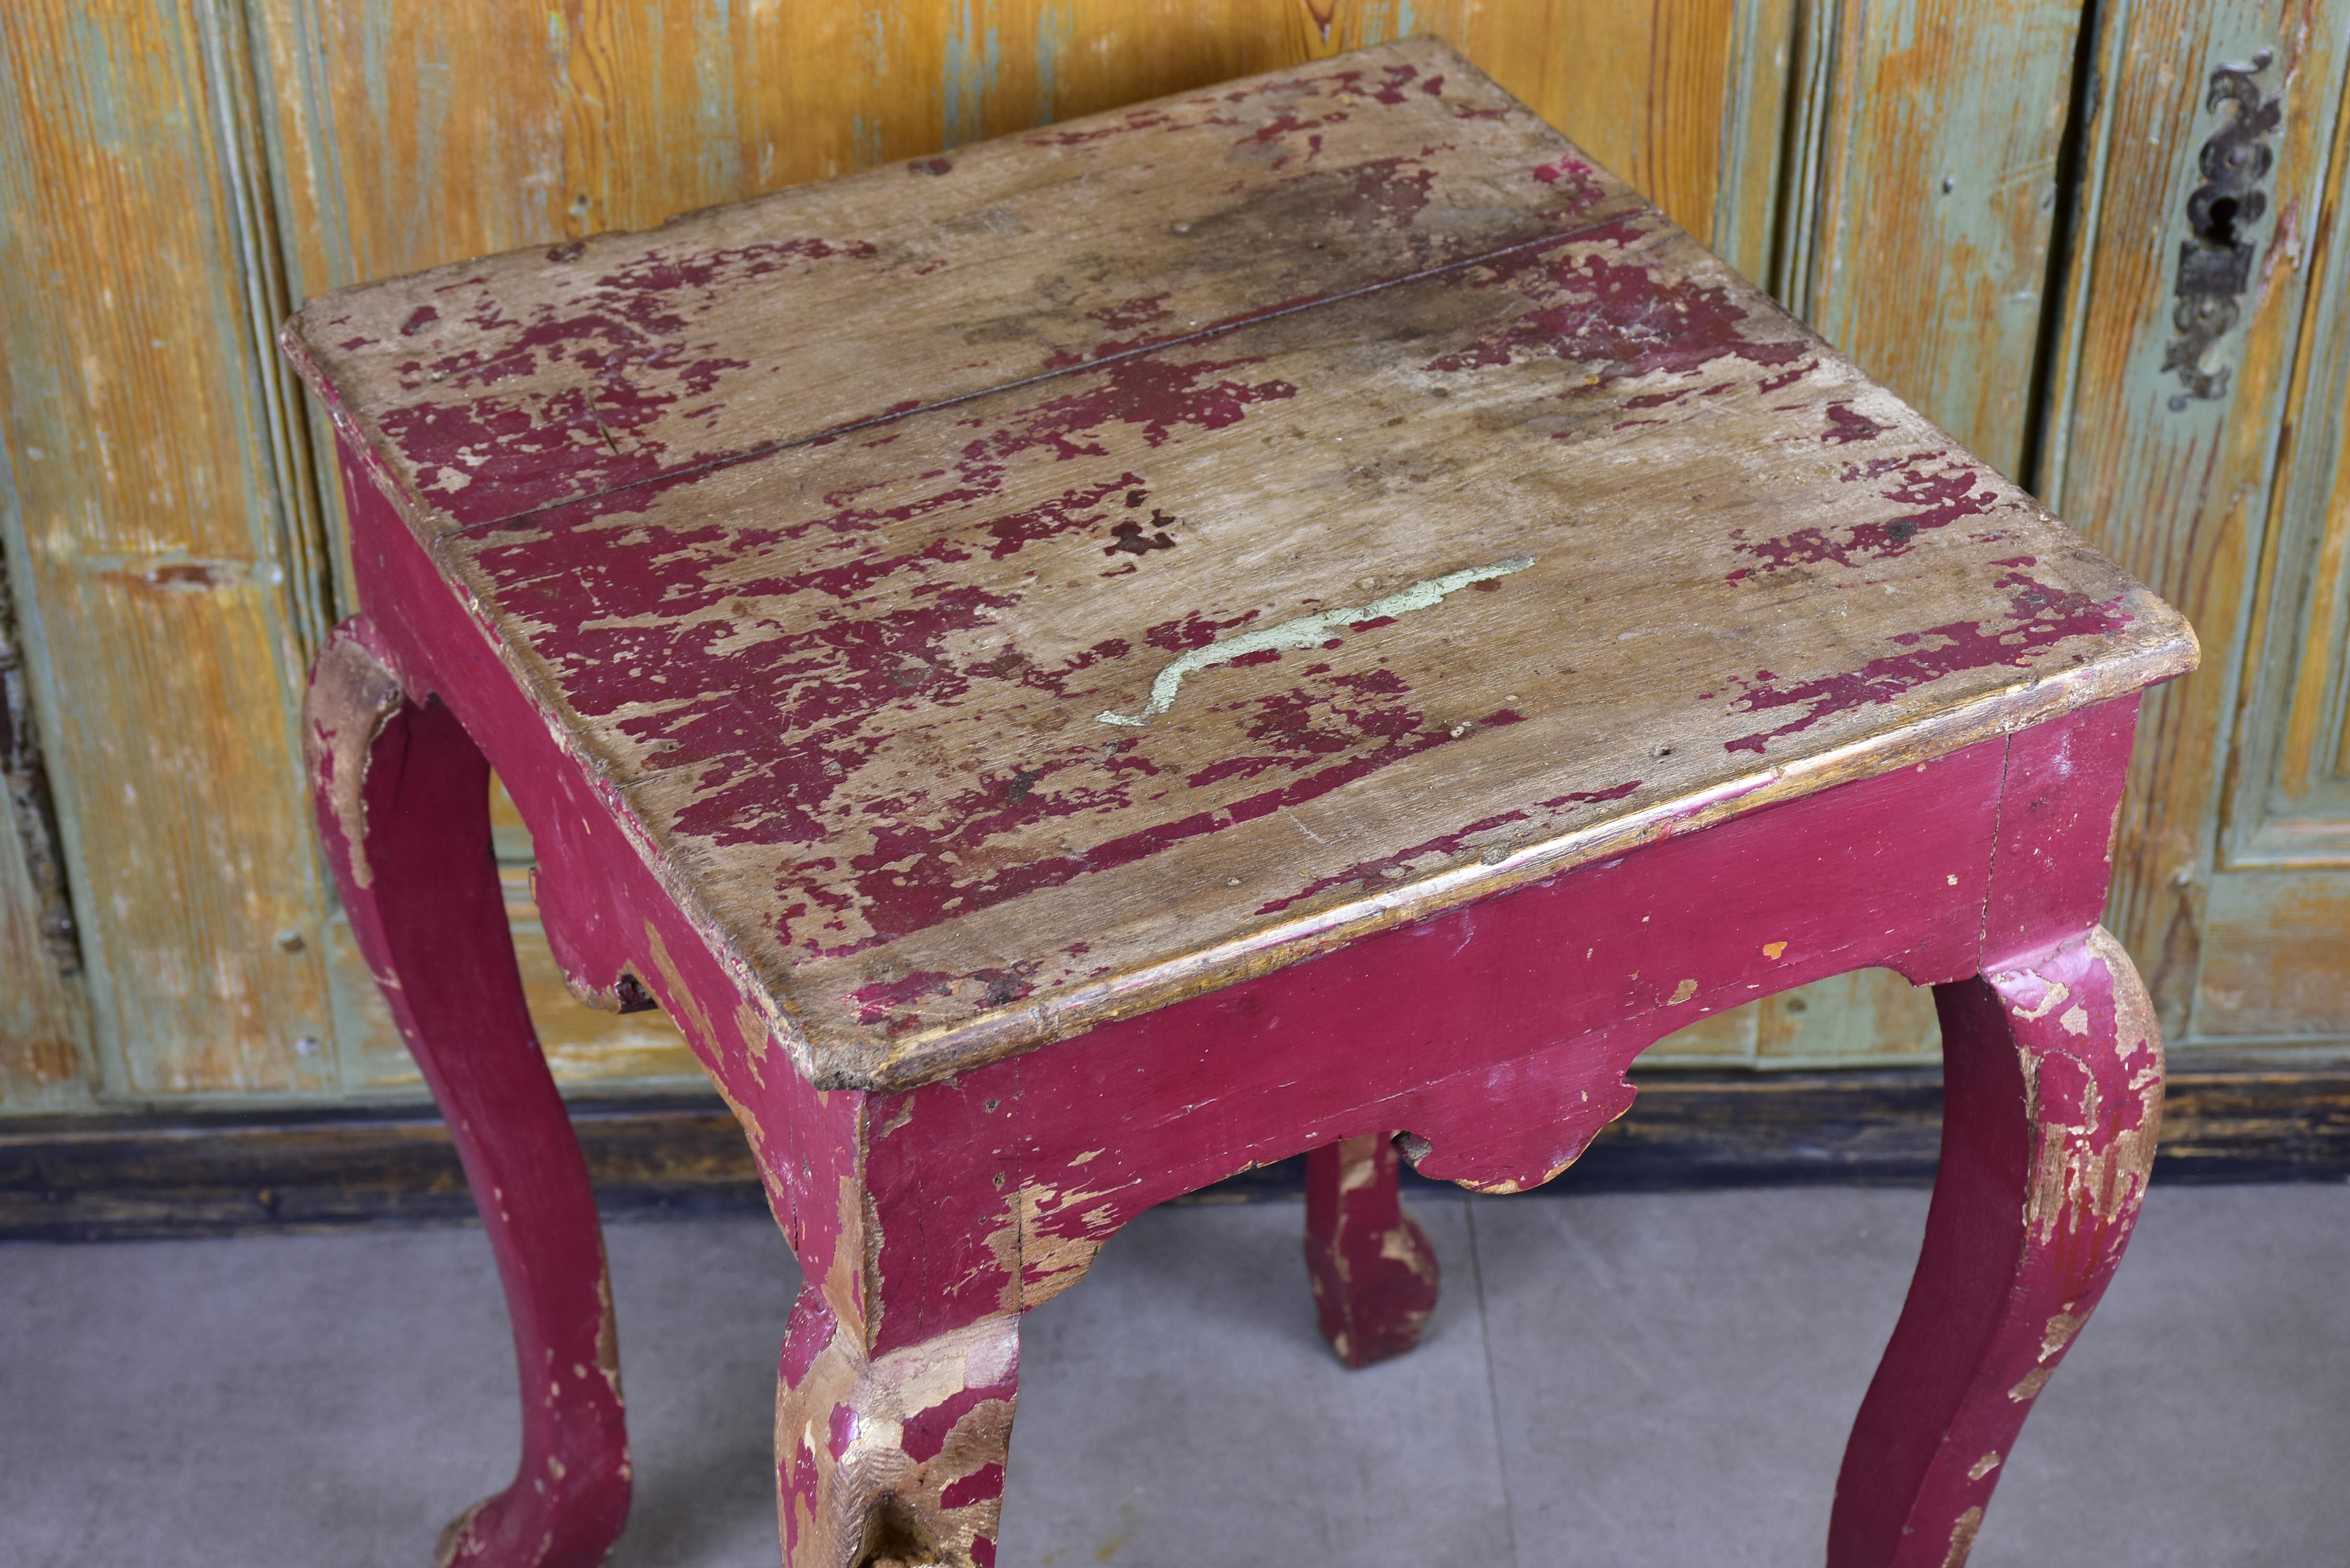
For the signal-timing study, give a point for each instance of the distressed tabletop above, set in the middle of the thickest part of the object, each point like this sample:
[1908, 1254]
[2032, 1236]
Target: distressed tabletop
[1014, 589]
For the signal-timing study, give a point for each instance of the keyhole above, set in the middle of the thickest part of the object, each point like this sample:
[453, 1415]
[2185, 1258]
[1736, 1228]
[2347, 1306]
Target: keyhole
[2223, 220]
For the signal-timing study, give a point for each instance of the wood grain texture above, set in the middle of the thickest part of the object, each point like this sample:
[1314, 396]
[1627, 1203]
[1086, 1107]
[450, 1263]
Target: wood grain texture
[149, 548]
[396, 156]
[1019, 822]
[45, 1060]
[2272, 975]
[1934, 199]
[2182, 497]
[497, 389]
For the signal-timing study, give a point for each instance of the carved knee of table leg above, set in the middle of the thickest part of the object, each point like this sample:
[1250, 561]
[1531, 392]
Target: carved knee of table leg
[1372, 1269]
[402, 801]
[896, 1459]
[2052, 1075]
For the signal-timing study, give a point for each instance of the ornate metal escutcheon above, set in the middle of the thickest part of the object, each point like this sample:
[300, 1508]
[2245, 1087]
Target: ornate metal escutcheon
[2215, 262]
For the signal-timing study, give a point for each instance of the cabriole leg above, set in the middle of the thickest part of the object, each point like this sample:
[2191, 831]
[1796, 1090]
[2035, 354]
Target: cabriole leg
[1373, 1272]
[402, 800]
[893, 1460]
[2052, 1099]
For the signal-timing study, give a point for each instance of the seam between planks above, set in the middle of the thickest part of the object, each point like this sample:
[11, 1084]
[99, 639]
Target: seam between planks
[1206, 334]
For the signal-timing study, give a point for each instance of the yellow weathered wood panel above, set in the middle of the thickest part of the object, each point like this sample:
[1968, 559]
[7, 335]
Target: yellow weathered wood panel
[1937, 198]
[2180, 497]
[1871, 1018]
[1725, 1039]
[154, 595]
[401, 148]
[587, 1049]
[1643, 90]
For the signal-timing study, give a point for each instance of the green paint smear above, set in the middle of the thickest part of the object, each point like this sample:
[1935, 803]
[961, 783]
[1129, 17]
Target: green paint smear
[1308, 632]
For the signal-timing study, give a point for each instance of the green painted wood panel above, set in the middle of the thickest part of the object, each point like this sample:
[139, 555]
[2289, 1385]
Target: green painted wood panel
[1934, 199]
[152, 547]
[2184, 496]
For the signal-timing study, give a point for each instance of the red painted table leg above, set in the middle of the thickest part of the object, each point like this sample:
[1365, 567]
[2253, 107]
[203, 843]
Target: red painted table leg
[2052, 1068]
[403, 798]
[1373, 1272]
[895, 1458]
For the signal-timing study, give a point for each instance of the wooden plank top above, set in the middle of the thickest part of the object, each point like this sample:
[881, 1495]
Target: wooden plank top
[1316, 502]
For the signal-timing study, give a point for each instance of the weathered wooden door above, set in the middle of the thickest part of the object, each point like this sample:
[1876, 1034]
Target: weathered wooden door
[2195, 431]
[1981, 201]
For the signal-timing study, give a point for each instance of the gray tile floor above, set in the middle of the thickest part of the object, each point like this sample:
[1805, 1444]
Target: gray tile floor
[1610, 1381]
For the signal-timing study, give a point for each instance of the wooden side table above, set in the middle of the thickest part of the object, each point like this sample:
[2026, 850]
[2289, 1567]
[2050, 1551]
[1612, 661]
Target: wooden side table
[1301, 616]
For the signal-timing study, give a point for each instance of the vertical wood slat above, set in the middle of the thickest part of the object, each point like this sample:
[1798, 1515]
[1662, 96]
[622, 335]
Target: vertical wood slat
[1749, 207]
[396, 152]
[150, 544]
[2181, 497]
[1936, 199]
[45, 1062]
[2289, 804]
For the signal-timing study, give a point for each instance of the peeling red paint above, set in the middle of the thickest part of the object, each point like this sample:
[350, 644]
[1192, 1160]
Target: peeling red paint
[1382, 193]
[1846, 425]
[1618, 315]
[2039, 619]
[1938, 488]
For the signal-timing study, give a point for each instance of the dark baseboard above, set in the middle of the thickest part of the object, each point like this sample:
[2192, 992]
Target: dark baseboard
[118, 1178]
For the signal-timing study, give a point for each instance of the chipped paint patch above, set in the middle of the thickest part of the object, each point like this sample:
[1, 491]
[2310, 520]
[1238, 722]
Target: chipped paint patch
[1962, 1537]
[1308, 632]
[2055, 994]
[353, 695]
[899, 1458]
